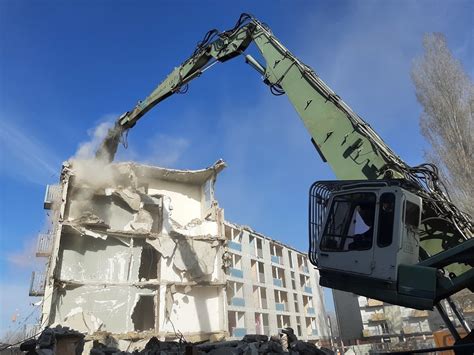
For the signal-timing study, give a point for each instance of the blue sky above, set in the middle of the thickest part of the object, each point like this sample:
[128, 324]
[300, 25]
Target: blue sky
[66, 67]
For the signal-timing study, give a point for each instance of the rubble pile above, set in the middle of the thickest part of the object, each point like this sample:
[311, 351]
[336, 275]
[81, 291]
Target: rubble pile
[65, 341]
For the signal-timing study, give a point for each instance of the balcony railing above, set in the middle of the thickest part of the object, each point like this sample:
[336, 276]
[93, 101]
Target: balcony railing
[261, 277]
[314, 332]
[276, 259]
[37, 284]
[374, 303]
[237, 301]
[44, 244]
[280, 307]
[304, 269]
[239, 332]
[409, 329]
[377, 317]
[308, 289]
[278, 282]
[53, 193]
[32, 330]
[236, 273]
[234, 245]
[310, 310]
[419, 314]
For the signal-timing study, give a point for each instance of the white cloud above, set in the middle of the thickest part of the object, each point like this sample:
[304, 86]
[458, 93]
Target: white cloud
[23, 155]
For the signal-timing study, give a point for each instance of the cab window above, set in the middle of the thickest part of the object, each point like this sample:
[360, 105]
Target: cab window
[385, 222]
[350, 223]
[412, 214]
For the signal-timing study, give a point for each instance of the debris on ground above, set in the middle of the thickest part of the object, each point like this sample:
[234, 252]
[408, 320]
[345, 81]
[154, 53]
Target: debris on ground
[65, 341]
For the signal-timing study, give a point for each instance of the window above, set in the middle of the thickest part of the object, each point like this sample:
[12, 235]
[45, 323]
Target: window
[350, 222]
[260, 297]
[143, 316]
[235, 294]
[261, 324]
[259, 248]
[278, 277]
[386, 215]
[412, 214]
[236, 322]
[252, 245]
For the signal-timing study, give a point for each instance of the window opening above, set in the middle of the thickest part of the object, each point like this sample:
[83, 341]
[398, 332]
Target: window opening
[148, 269]
[385, 223]
[143, 316]
[350, 223]
[412, 214]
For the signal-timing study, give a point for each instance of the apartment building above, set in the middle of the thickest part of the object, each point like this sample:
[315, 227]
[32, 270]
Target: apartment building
[362, 319]
[271, 286]
[382, 321]
[142, 251]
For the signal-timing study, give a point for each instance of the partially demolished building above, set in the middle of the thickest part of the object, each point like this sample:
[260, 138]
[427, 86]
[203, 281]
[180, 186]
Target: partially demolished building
[140, 250]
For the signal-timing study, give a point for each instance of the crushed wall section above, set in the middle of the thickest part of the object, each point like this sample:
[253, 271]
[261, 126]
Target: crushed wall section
[140, 251]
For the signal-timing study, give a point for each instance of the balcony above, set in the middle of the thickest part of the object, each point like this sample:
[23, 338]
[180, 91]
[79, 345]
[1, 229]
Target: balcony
[44, 244]
[278, 282]
[276, 259]
[234, 245]
[236, 273]
[239, 332]
[377, 317]
[37, 284]
[53, 193]
[308, 289]
[304, 269]
[237, 301]
[314, 332]
[310, 311]
[374, 303]
[410, 329]
[280, 307]
[419, 314]
[368, 333]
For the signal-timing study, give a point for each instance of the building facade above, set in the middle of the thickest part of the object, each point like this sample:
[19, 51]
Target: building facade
[382, 321]
[271, 286]
[374, 321]
[137, 250]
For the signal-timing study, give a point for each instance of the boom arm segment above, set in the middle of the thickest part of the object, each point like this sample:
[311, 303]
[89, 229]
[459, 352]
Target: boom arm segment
[344, 140]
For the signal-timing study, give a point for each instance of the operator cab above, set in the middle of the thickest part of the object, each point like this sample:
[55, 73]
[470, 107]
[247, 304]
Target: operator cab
[363, 229]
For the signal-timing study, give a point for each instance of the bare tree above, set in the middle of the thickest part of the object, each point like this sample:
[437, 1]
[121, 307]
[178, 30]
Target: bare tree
[446, 93]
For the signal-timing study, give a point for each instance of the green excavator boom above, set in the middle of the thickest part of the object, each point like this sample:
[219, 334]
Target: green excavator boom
[342, 138]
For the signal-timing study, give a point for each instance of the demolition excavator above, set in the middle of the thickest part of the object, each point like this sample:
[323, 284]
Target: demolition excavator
[384, 229]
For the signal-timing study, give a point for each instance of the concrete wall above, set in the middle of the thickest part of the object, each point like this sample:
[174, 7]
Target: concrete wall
[140, 252]
[92, 308]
